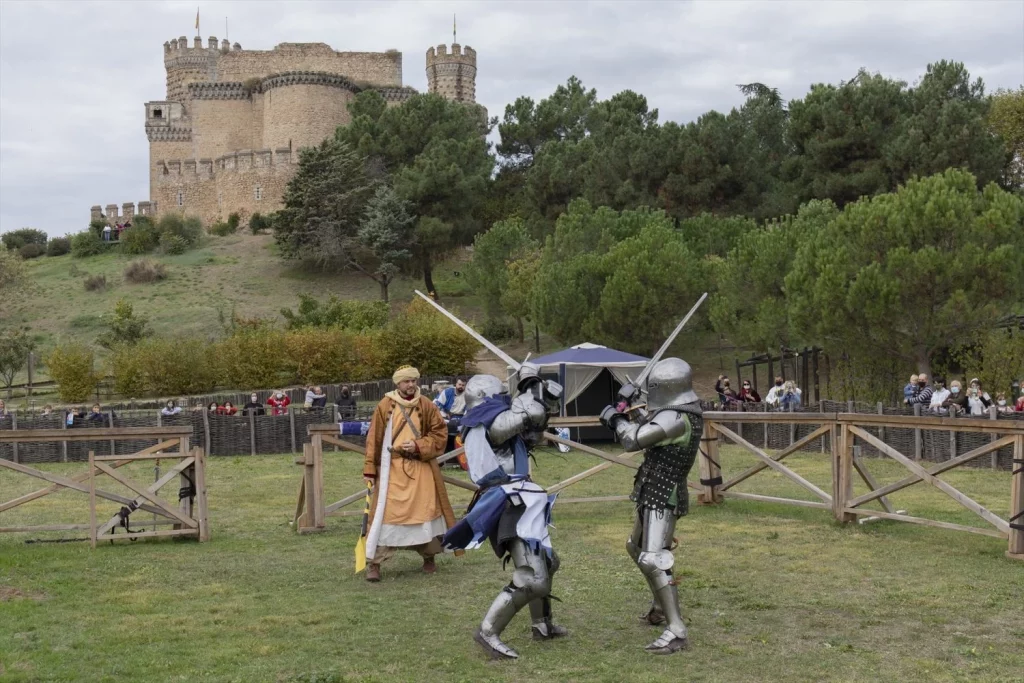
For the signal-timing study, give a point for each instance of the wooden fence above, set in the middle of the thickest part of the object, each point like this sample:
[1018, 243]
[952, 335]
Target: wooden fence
[187, 516]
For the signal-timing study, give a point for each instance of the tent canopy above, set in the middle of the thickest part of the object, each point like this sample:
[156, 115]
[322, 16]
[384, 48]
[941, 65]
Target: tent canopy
[577, 367]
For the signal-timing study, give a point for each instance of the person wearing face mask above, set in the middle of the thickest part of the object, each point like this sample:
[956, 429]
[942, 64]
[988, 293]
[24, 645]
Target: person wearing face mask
[939, 396]
[775, 393]
[253, 407]
[346, 404]
[279, 403]
[1001, 405]
[978, 400]
[1019, 405]
[749, 395]
[958, 400]
[924, 392]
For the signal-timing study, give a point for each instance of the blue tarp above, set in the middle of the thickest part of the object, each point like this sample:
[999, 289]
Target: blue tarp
[591, 354]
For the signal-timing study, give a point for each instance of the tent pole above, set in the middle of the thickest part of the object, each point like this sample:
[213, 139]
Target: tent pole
[561, 380]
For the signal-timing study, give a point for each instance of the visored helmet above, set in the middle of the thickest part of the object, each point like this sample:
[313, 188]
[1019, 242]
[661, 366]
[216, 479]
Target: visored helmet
[670, 384]
[480, 387]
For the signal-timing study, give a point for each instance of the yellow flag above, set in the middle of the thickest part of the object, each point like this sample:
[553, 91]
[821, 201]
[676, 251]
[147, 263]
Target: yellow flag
[197, 18]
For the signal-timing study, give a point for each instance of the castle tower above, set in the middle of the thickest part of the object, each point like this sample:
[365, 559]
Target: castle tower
[186, 64]
[452, 75]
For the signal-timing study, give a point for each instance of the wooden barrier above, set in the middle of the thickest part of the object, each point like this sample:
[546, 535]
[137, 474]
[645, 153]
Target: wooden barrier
[844, 429]
[187, 516]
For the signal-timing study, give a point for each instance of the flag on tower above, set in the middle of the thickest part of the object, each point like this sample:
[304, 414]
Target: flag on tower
[197, 19]
[453, 29]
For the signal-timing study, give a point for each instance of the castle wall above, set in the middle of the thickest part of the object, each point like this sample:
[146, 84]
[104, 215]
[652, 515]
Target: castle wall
[223, 126]
[166, 150]
[379, 68]
[303, 115]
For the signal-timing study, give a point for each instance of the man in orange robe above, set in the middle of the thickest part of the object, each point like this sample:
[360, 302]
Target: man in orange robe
[406, 436]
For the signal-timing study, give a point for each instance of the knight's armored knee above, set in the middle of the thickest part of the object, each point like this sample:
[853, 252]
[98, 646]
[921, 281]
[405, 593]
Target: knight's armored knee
[532, 584]
[656, 566]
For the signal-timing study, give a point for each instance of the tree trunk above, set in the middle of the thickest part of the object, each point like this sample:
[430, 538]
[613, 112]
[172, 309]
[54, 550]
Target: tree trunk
[924, 362]
[428, 279]
[383, 289]
[522, 333]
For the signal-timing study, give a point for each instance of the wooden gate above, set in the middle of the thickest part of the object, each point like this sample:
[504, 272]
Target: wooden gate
[187, 516]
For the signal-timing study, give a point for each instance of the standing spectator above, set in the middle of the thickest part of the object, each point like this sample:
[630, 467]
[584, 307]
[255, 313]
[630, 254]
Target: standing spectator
[729, 397]
[96, 415]
[939, 397]
[346, 404]
[452, 400]
[982, 394]
[910, 390]
[213, 408]
[774, 393]
[789, 397]
[47, 410]
[977, 399]
[924, 392]
[957, 401]
[279, 403]
[1001, 405]
[227, 409]
[719, 387]
[748, 395]
[106, 233]
[253, 407]
[198, 407]
[170, 409]
[3, 409]
[310, 395]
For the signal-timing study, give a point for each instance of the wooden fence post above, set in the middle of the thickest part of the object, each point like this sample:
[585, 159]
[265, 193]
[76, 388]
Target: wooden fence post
[334, 413]
[917, 433]
[291, 423]
[1016, 550]
[201, 513]
[110, 423]
[64, 444]
[821, 409]
[993, 415]
[843, 477]
[317, 494]
[710, 466]
[206, 430]
[14, 426]
[881, 430]
[952, 444]
[92, 499]
[252, 432]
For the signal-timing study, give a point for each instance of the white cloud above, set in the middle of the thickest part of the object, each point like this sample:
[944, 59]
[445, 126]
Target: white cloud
[74, 75]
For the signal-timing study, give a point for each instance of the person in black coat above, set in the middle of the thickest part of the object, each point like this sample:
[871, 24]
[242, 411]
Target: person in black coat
[346, 404]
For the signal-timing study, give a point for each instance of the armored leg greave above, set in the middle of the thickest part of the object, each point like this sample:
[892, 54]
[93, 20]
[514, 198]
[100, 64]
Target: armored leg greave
[652, 554]
[531, 584]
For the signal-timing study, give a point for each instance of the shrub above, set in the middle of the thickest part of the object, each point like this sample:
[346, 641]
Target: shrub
[128, 370]
[96, 227]
[95, 283]
[259, 224]
[173, 244]
[429, 341]
[252, 358]
[86, 244]
[141, 238]
[188, 228]
[220, 229]
[233, 221]
[499, 329]
[350, 315]
[124, 327]
[32, 250]
[71, 366]
[318, 356]
[168, 366]
[58, 246]
[143, 271]
[16, 239]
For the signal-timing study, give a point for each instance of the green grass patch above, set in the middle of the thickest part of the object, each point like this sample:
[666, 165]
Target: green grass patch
[771, 593]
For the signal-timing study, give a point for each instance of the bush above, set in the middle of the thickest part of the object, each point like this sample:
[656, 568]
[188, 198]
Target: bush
[95, 283]
[141, 238]
[143, 271]
[499, 330]
[58, 246]
[318, 356]
[128, 370]
[252, 358]
[16, 239]
[86, 244]
[429, 341]
[259, 224]
[188, 228]
[233, 221]
[96, 227]
[167, 366]
[220, 229]
[173, 244]
[350, 315]
[71, 366]
[32, 250]
[124, 327]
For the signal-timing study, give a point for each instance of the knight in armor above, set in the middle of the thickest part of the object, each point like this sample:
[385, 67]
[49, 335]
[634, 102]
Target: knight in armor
[669, 432]
[509, 510]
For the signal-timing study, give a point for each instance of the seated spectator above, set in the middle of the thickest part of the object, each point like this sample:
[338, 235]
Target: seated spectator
[774, 393]
[279, 403]
[308, 402]
[253, 407]
[939, 397]
[213, 408]
[71, 415]
[452, 400]
[910, 390]
[1001, 404]
[170, 409]
[346, 404]
[319, 398]
[748, 395]
[789, 397]
[977, 399]
[227, 409]
[96, 415]
[47, 410]
[957, 401]
[198, 407]
[982, 394]
[923, 397]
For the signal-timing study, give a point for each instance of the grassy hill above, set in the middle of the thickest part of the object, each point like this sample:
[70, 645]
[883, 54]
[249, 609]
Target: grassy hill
[244, 274]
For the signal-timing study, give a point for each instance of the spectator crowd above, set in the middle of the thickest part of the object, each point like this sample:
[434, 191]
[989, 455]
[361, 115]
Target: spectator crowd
[956, 399]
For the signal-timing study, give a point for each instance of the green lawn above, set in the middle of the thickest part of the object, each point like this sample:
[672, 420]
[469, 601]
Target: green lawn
[771, 593]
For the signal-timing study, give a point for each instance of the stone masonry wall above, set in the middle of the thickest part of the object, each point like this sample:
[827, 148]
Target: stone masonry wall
[303, 115]
[223, 126]
[378, 68]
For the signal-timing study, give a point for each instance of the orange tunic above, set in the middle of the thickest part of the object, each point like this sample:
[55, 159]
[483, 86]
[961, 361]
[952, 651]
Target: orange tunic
[412, 498]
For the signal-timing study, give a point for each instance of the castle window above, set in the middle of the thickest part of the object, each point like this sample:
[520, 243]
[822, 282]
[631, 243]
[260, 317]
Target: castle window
[158, 113]
[259, 193]
[181, 198]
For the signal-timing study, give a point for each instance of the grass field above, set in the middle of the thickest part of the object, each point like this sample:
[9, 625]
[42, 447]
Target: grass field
[771, 593]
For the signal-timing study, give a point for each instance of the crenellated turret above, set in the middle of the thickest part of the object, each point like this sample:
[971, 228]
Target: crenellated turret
[452, 75]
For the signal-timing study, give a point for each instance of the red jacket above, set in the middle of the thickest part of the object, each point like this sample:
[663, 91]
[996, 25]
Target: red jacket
[279, 406]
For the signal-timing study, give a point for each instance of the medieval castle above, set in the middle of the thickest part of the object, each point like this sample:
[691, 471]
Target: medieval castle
[227, 136]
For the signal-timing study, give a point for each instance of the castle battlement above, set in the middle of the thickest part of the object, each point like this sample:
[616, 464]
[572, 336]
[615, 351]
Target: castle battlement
[180, 45]
[128, 212]
[242, 160]
[452, 74]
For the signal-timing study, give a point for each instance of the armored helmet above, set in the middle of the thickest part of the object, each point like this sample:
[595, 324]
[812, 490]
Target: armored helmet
[670, 384]
[480, 387]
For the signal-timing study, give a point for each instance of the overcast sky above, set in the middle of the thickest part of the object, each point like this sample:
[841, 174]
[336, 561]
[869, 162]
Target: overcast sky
[74, 74]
